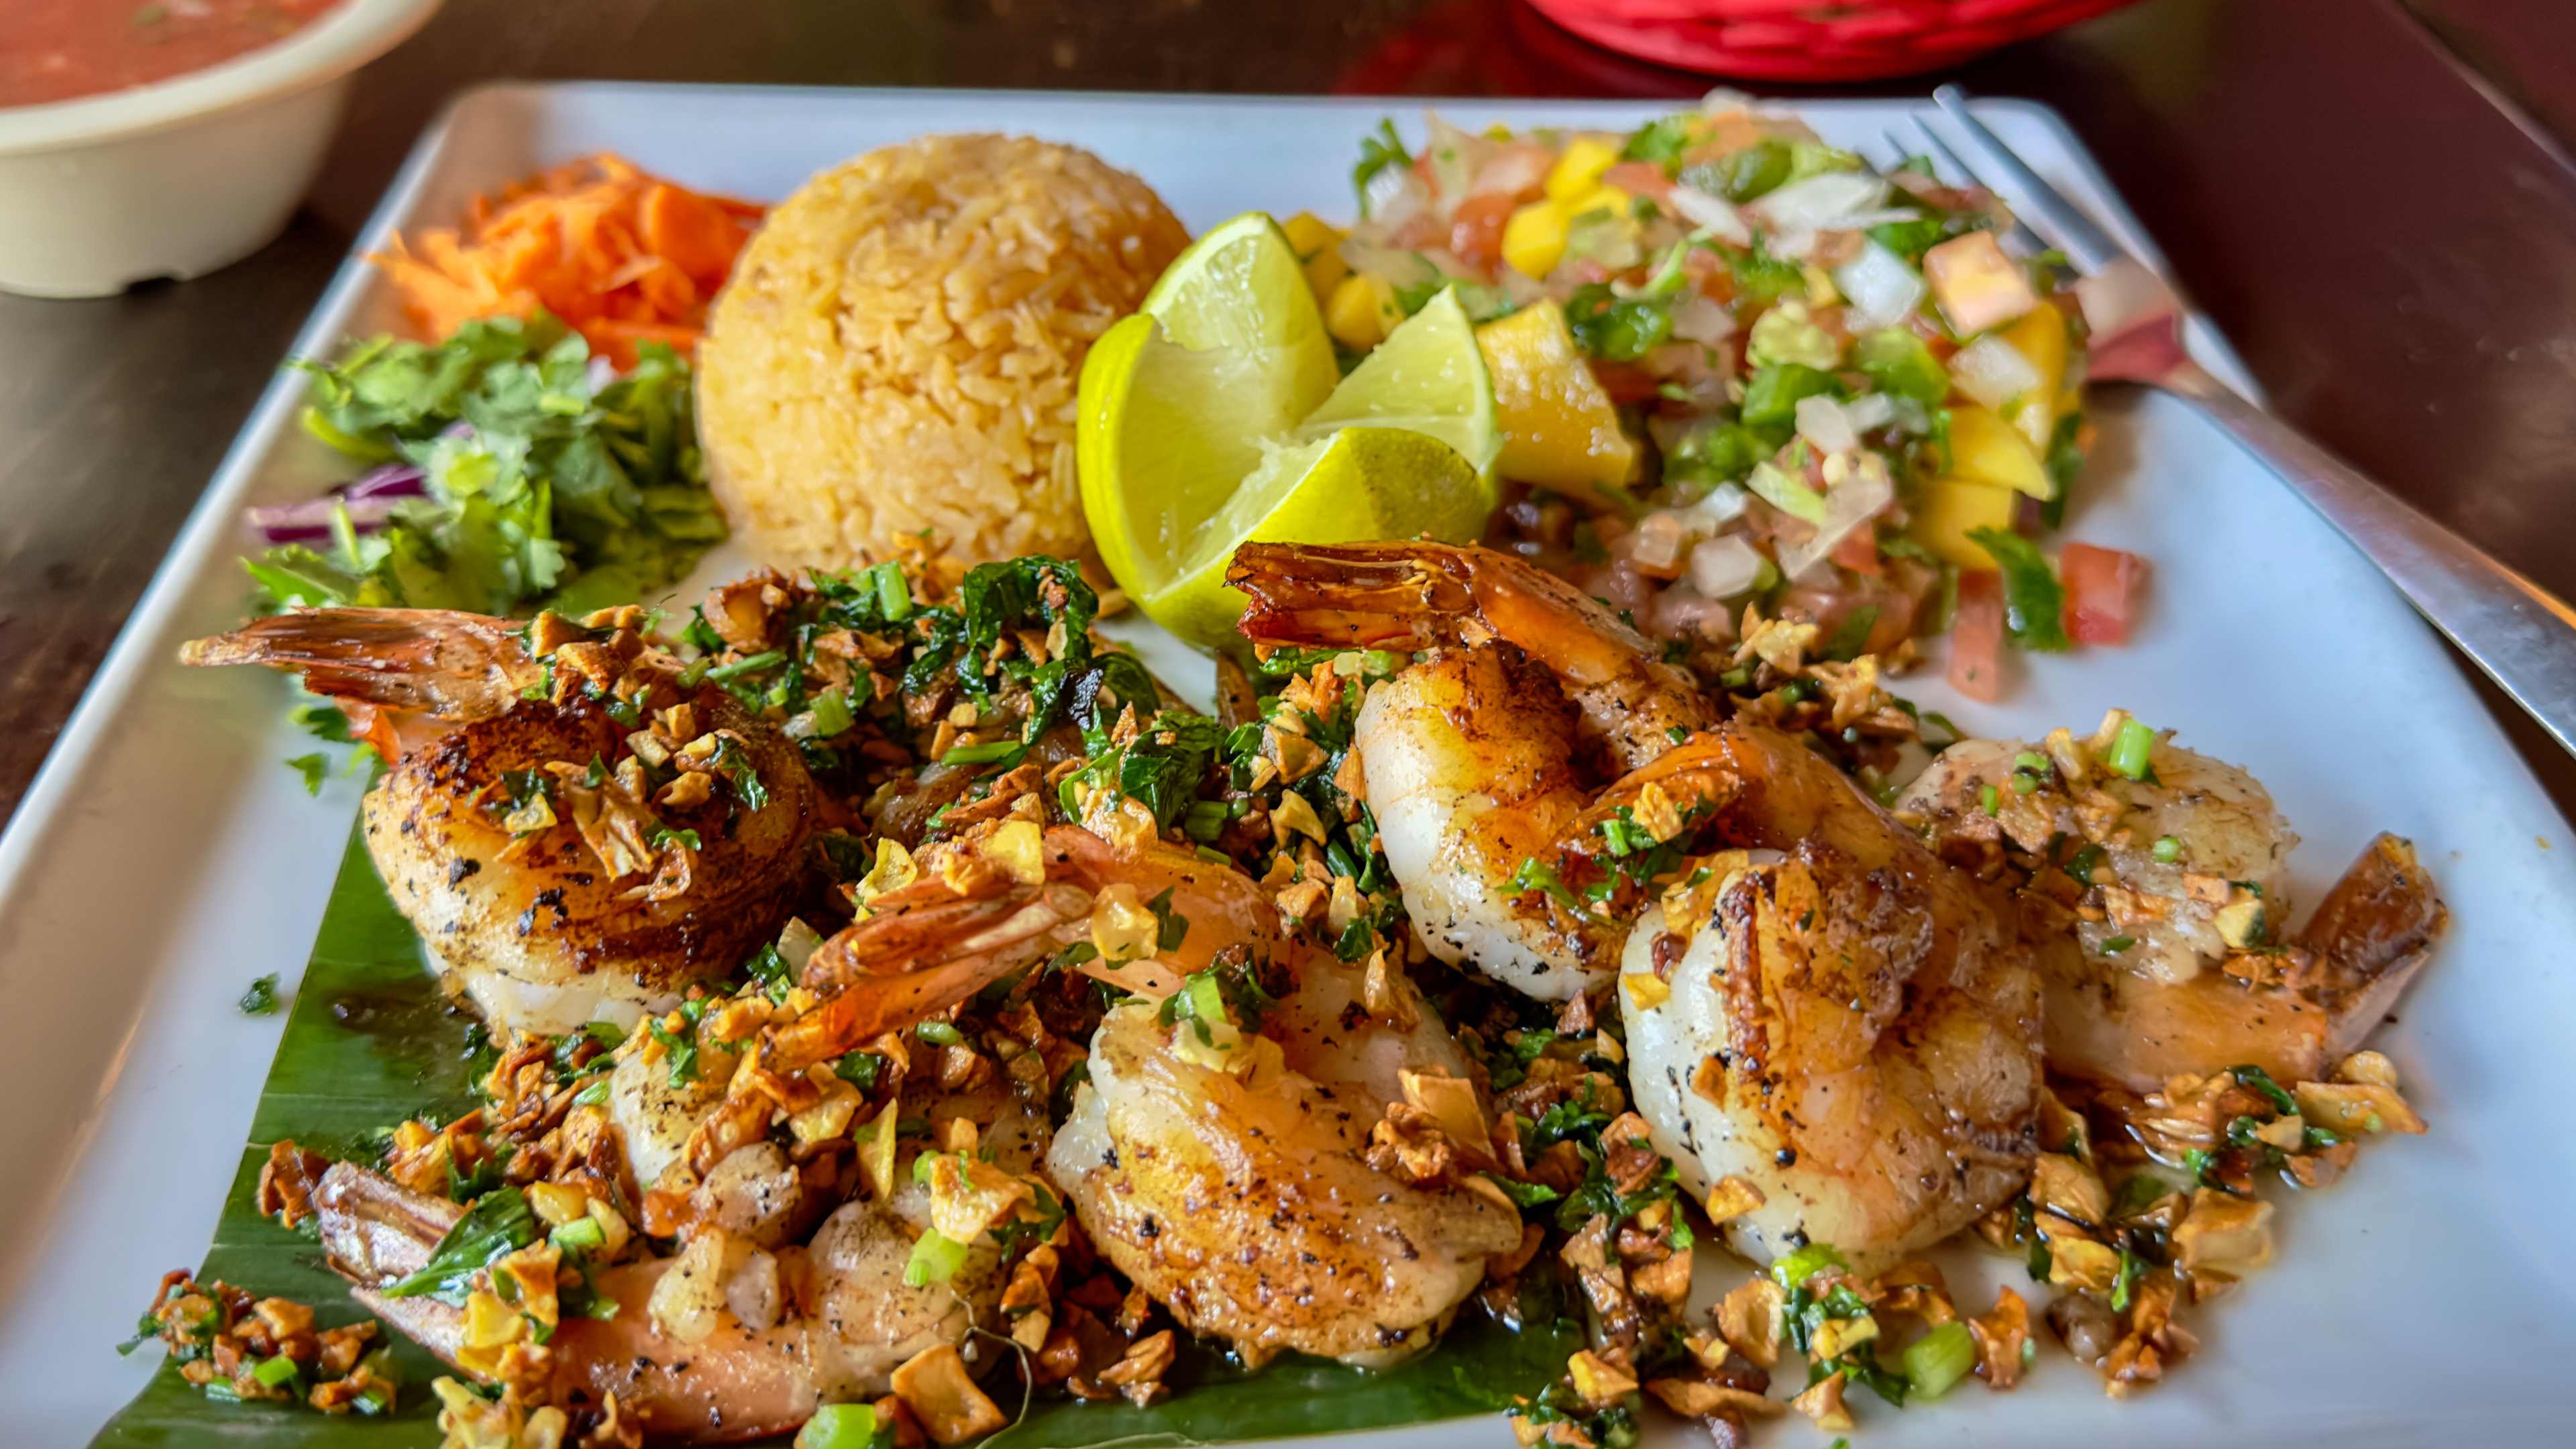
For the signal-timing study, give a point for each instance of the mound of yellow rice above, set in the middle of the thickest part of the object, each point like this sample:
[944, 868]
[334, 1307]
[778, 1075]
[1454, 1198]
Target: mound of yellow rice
[899, 347]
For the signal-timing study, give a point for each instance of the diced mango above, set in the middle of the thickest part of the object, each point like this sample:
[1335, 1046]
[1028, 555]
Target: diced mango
[2042, 341]
[1985, 447]
[1600, 198]
[1362, 311]
[1559, 428]
[1579, 166]
[1977, 286]
[1317, 243]
[1534, 238]
[1950, 508]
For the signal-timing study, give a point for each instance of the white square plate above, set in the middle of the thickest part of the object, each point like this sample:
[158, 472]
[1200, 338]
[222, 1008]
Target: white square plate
[164, 858]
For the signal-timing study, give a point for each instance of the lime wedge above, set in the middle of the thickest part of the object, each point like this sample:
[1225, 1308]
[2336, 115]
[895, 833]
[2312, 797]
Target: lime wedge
[1175, 402]
[1216, 415]
[1427, 377]
[1353, 485]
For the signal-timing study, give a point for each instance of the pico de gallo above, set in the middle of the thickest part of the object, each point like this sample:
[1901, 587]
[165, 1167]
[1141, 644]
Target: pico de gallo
[1736, 367]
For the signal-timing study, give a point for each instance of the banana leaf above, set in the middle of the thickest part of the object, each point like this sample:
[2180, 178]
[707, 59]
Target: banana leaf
[370, 1040]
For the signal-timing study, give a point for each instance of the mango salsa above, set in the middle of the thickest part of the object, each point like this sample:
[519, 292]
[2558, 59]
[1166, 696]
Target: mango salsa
[1986, 448]
[2041, 338]
[1951, 508]
[1534, 238]
[1560, 430]
[1361, 311]
[1578, 168]
[1317, 243]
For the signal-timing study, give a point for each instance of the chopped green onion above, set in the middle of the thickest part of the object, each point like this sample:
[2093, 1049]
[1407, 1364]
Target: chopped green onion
[2130, 749]
[845, 1426]
[1807, 1262]
[831, 714]
[275, 1372]
[939, 1033]
[1005, 752]
[2166, 849]
[582, 1234]
[2031, 760]
[894, 597]
[1205, 820]
[860, 1070]
[749, 664]
[1940, 1358]
[1990, 799]
[934, 1259]
[2125, 1285]
[2118, 944]
[2025, 783]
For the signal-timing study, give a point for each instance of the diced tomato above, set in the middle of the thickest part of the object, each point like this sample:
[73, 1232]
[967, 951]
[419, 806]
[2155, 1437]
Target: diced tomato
[1476, 230]
[2102, 588]
[1977, 636]
[1859, 551]
[1626, 382]
[1422, 229]
[1640, 178]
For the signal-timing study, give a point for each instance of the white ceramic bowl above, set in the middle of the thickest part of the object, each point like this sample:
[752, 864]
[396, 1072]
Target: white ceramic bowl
[177, 178]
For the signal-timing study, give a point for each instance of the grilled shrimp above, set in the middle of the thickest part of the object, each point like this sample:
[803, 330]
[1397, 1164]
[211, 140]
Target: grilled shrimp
[1832, 1015]
[2175, 959]
[837, 1341]
[1227, 1176]
[1239, 1198]
[1478, 756]
[932, 942]
[526, 915]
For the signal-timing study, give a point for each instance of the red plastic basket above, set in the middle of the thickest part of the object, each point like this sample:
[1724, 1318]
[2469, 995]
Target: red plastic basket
[1814, 40]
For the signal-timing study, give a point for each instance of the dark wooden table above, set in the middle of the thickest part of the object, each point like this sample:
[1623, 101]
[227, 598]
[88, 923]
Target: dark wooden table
[2375, 200]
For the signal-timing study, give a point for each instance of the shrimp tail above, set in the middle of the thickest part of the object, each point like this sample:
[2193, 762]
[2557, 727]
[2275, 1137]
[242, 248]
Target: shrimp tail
[2373, 931]
[1424, 595]
[451, 666]
[1352, 596]
[375, 1233]
[923, 950]
[736, 1384]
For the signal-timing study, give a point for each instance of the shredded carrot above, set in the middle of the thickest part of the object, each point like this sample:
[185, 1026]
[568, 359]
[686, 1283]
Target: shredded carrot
[623, 256]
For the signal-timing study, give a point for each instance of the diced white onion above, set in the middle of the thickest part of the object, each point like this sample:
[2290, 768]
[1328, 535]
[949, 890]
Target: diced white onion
[1724, 567]
[1883, 216]
[1656, 547]
[1870, 410]
[1454, 158]
[1711, 214]
[797, 945]
[1992, 371]
[1400, 267]
[1882, 288]
[1512, 170]
[1391, 198]
[1699, 318]
[1821, 202]
[2122, 297]
[1721, 506]
[1822, 421]
[1849, 505]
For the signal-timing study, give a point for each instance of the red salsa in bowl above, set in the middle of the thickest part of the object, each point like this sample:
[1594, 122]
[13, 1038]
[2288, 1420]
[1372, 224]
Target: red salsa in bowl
[60, 50]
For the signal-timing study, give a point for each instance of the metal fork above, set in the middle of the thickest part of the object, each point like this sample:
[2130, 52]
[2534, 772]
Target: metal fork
[2521, 635]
